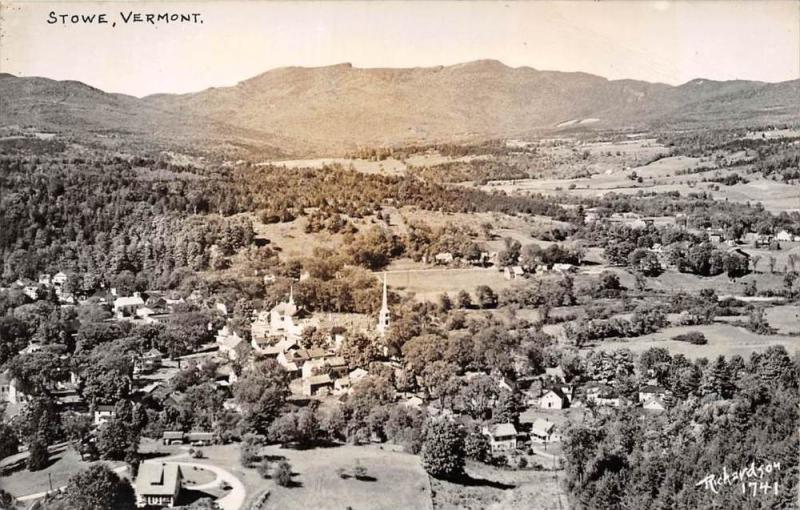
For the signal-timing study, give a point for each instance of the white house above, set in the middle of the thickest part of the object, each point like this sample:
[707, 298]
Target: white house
[502, 438]
[157, 484]
[443, 258]
[649, 392]
[127, 306]
[553, 399]
[230, 343]
[784, 235]
[59, 279]
[103, 413]
[543, 430]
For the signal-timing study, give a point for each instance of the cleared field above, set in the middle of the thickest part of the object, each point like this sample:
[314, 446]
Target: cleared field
[430, 283]
[723, 339]
[394, 480]
[786, 319]
[660, 176]
[389, 166]
[501, 489]
[674, 281]
[291, 239]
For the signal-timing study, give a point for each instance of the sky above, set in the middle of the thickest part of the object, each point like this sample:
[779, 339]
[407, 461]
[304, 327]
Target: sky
[661, 41]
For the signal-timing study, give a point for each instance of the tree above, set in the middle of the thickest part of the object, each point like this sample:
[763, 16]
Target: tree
[404, 426]
[486, 296]
[248, 450]
[37, 454]
[771, 263]
[645, 261]
[116, 438]
[793, 259]
[99, 488]
[438, 379]
[359, 350]
[463, 299]
[476, 446]
[6, 499]
[445, 303]
[788, 281]
[735, 265]
[755, 259]
[9, 444]
[262, 392]
[443, 450]
[283, 474]
[775, 367]
[716, 379]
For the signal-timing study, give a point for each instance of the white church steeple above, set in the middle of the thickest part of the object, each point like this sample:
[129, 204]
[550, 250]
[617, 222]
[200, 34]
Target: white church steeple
[384, 315]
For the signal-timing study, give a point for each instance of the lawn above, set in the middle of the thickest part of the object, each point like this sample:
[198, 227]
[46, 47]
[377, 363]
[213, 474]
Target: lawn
[495, 489]
[197, 476]
[62, 466]
[394, 479]
[723, 339]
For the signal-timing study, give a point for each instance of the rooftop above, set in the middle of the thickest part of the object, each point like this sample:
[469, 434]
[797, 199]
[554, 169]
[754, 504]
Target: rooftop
[157, 479]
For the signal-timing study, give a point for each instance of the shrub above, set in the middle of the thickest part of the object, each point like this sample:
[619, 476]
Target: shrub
[693, 337]
[198, 454]
[359, 471]
[264, 468]
[283, 474]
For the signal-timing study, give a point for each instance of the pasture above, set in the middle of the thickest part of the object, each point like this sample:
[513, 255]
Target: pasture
[429, 283]
[786, 319]
[723, 339]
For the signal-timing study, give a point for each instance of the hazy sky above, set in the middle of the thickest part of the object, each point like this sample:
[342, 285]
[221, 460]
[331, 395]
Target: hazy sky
[666, 41]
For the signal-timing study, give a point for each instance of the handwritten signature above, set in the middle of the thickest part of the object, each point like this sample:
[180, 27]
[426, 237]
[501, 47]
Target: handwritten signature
[714, 482]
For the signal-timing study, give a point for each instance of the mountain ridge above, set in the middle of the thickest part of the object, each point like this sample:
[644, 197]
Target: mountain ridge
[332, 109]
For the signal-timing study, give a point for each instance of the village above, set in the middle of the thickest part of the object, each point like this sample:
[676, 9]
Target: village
[400, 255]
[312, 351]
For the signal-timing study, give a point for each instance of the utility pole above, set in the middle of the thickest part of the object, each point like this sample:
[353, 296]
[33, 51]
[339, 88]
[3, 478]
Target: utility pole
[50, 477]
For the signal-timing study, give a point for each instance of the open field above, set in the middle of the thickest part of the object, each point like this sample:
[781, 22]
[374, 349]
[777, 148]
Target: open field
[428, 284]
[786, 319]
[723, 339]
[501, 489]
[664, 175]
[389, 166]
[395, 480]
[673, 281]
[61, 467]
